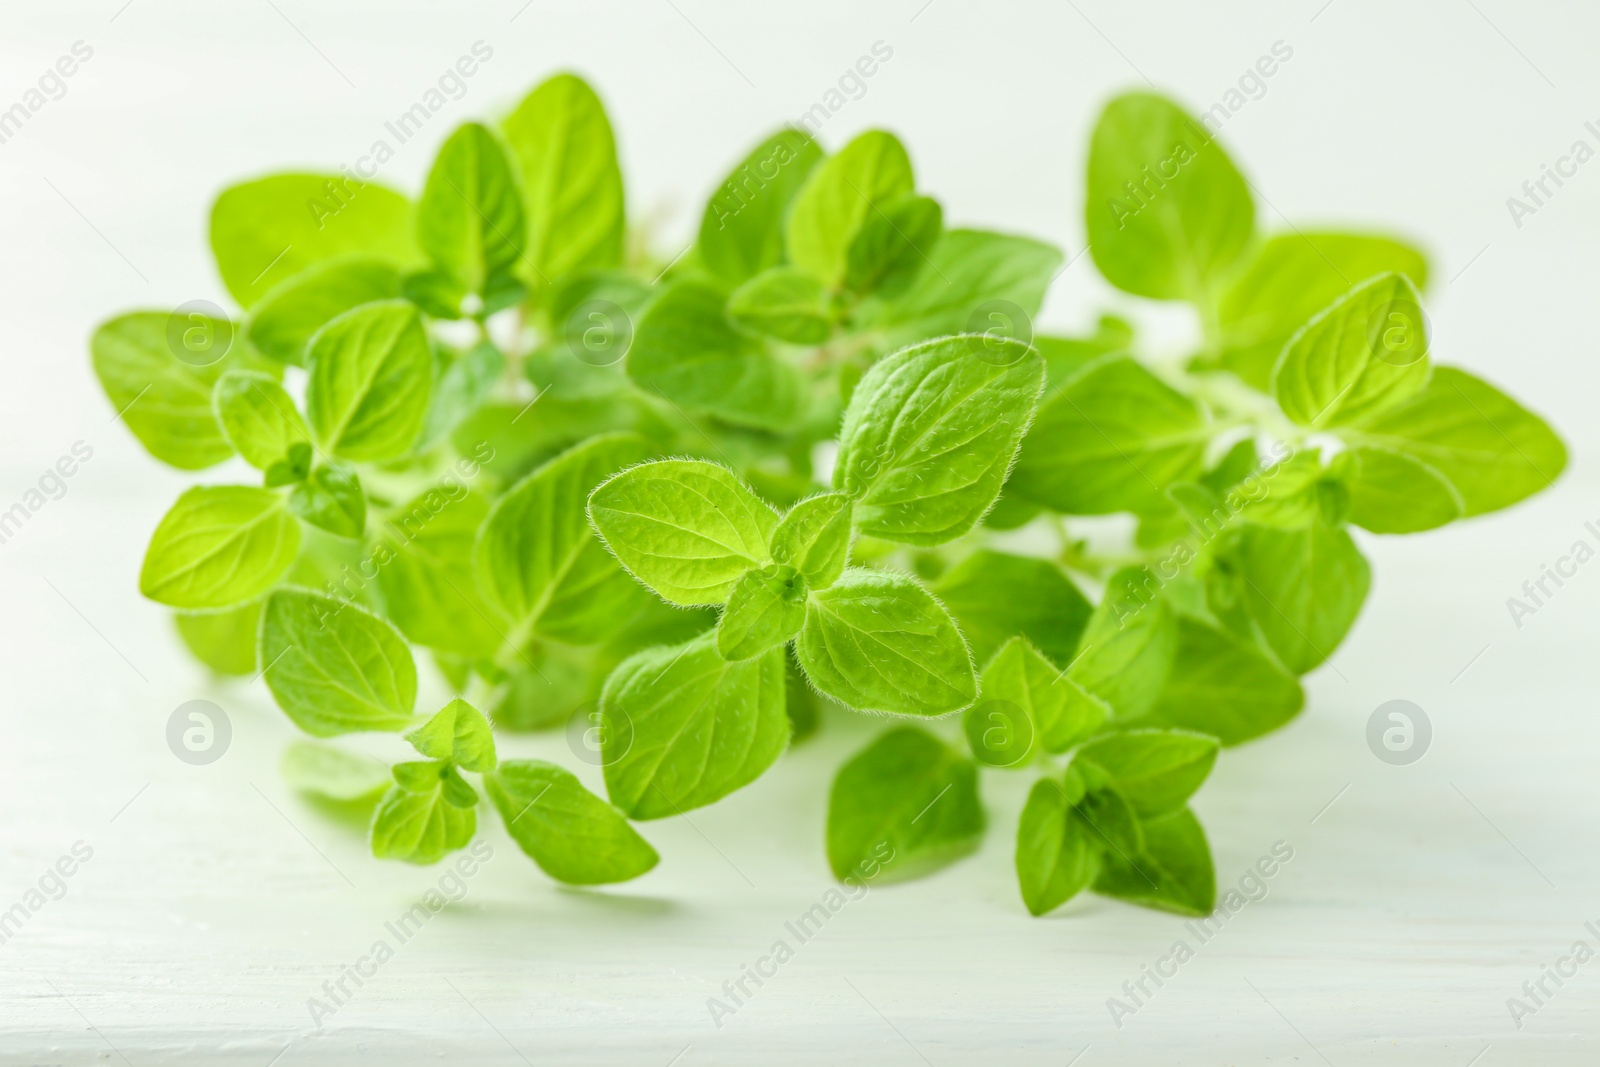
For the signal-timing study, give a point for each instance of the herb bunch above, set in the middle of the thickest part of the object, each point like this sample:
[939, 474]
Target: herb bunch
[819, 461]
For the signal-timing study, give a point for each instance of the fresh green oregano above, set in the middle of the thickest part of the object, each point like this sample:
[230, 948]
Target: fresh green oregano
[698, 509]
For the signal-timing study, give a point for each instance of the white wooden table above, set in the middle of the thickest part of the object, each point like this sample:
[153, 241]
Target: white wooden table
[216, 903]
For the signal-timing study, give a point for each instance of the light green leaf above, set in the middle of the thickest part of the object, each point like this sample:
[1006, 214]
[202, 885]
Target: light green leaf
[572, 186]
[686, 528]
[995, 596]
[266, 231]
[1366, 351]
[974, 280]
[1222, 685]
[1157, 770]
[297, 307]
[332, 773]
[1173, 873]
[765, 609]
[683, 727]
[1112, 439]
[465, 383]
[686, 351]
[334, 667]
[1062, 712]
[225, 641]
[1391, 492]
[420, 826]
[458, 732]
[930, 433]
[1492, 449]
[537, 559]
[164, 401]
[1292, 277]
[573, 835]
[1304, 588]
[785, 303]
[219, 546]
[905, 805]
[869, 173]
[1058, 853]
[893, 245]
[470, 220]
[741, 232]
[257, 416]
[1064, 357]
[814, 538]
[426, 574]
[1129, 644]
[878, 641]
[370, 373]
[1167, 213]
[331, 499]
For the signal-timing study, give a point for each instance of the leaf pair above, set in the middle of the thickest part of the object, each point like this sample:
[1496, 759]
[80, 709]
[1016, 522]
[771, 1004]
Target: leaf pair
[1116, 822]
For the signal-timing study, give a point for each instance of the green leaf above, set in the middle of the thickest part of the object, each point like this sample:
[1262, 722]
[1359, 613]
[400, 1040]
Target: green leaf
[1222, 685]
[1058, 853]
[1173, 873]
[470, 220]
[268, 230]
[458, 732]
[257, 416]
[426, 574]
[878, 641]
[930, 433]
[741, 231]
[765, 609]
[332, 773]
[293, 468]
[784, 303]
[1129, 644]
[463, 386]
[537, 559]
[164, 401]
[1061, 711]
[1107, 813]
[995, 596]
[572, 187]
[1294, 276]
[1304, 588]
[893, 245]
[219, 546]
[334, 667]
[814, 538]
[370, 372]
[683, 727]
[970, 277]
[1112, 439]
[225, 641]
[905, 805]
[420, 826]
[1492, 449]
[869, 173]
[688, 529]
[1064, 357]
[1157, 770]
[1366, 351]
[1167, 213]
[686, 351]
[1391, 492]
[573, 835]
[297, 307]
[332, 499]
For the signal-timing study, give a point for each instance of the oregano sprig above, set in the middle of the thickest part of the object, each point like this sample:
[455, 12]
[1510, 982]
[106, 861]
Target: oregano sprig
[695, 508]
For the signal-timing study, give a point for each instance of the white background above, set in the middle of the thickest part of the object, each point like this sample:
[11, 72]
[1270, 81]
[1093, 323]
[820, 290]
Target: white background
[217, 902]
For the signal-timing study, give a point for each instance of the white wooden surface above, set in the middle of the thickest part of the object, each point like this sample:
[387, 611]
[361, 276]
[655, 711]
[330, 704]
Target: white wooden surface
[216, 903]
